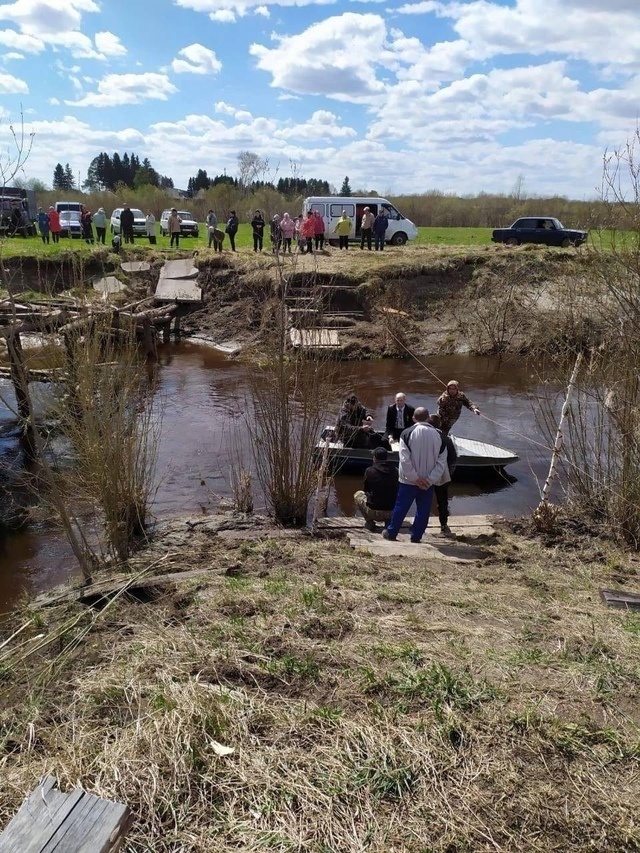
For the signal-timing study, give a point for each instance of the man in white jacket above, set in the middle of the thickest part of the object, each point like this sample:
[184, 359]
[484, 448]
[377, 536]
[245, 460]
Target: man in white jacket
[423, 464]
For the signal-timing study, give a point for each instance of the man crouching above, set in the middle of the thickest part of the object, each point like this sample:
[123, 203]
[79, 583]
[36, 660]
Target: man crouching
[380, 490]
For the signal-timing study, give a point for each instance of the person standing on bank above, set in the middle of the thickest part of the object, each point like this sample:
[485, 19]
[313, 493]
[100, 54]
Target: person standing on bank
[423, 463]
[174, 224]
[87, 227]
[380, 225]
[399, 417]
[232, 229]
[377, 500]
[343, 229]
[442, 491]
[450, 405]
[100, 222]
[54, 224]
[319, 230]
[366, 228]
[257, 224]
[43, 225]
[150, 227]
[126, 224]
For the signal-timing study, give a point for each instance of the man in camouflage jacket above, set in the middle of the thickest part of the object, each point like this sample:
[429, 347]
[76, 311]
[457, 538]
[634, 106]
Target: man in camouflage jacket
[450, 405]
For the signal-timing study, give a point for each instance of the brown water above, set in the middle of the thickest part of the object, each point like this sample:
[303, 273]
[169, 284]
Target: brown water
[203, 398]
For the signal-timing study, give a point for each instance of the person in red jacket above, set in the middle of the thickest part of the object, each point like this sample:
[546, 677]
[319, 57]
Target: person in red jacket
[308, 230]
[54, 224]
[319, 229]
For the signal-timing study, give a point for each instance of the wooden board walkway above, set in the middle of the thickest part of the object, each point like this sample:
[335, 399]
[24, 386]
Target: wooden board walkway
[434, 545]
[52, 822]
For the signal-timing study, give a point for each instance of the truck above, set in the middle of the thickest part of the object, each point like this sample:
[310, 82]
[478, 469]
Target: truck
[18, 211]
[400, 228]
[546, 230]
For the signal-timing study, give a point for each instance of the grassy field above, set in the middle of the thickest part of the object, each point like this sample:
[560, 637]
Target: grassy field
[33, 246]
[302, 697]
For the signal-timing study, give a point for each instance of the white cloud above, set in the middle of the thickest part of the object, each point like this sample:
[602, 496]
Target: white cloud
[20, 41]
[10, 85]
[197, 60]
[223, 16]
[47, 17]
[327, 58]
[322, 125]
[109, 44]
[117, 89]
[262, 10]
[7, 57]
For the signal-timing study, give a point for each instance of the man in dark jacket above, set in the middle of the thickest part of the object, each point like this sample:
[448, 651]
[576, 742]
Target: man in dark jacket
[399, 417]
[442, 492]
[126, 224]
[380, 490]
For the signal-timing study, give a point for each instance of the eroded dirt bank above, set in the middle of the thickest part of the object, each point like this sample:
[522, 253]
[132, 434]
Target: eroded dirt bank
[432, 300]
[300, 696]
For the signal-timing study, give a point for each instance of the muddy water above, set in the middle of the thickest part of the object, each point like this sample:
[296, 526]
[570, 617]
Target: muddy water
[203, 398]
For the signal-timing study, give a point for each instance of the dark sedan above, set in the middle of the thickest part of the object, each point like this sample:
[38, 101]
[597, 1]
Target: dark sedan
[545, 230]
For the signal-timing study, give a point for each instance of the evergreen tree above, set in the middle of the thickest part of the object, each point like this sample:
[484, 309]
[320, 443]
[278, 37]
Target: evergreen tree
[69, 179]
[165, 182]
[58, 177]
[345, 189]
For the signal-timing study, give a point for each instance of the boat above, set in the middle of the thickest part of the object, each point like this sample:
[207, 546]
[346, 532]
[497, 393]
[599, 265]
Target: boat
[472, 455]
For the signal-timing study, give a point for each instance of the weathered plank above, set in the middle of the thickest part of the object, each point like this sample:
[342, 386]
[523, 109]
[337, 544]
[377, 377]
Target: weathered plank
[135, 266]
[429, 549]
[314, 338]
[177, 289]
[621, 599]
[50, 821]
[108, 284]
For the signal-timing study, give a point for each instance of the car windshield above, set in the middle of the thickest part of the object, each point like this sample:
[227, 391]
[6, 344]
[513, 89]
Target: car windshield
[184, 214]
[70, 216]
[137, 214]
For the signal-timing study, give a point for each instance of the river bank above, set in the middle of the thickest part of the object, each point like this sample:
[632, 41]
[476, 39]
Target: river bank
[302, 696]
[427, 298]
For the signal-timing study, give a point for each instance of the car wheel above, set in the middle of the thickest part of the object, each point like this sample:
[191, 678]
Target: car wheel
[398, 239]
[513, 241]
[566, 243]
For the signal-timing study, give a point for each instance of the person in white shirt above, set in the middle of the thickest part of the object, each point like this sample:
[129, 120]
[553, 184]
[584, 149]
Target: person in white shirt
[423, 464]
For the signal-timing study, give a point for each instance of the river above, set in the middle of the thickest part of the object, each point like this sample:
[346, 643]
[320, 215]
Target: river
[203, 398]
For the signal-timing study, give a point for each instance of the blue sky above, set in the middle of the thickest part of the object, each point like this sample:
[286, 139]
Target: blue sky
[462, 97]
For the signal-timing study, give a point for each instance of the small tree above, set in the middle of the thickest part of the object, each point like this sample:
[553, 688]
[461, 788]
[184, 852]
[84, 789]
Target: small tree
[345, 189]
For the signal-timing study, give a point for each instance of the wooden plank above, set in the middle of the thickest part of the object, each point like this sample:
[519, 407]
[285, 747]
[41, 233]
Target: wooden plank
[178, 289]
[108, 284]
[111, 586]
[135, 266]
[50, 821]
[314, 338]
[620, 599]
[179, 269]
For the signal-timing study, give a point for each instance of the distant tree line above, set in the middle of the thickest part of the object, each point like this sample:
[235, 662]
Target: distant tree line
[107, 172]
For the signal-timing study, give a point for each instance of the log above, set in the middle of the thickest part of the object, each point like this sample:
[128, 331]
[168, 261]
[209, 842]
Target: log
[20, 380]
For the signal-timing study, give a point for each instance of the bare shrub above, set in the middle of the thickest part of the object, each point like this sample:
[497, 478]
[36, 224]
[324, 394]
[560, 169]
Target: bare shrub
[113, 428]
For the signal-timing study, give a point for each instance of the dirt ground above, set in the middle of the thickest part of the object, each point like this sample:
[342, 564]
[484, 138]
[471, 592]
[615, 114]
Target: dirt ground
[428, 300]
[300, 696]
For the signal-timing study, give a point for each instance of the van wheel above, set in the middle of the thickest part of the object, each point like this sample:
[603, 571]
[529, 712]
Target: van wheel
[566, 243]
[398, 239]
[513, 241]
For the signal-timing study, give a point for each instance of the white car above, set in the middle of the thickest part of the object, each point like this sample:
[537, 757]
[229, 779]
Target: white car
[188, 225]
[139, 222]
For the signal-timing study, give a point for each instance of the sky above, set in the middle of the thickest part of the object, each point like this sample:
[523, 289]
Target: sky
[403, 97]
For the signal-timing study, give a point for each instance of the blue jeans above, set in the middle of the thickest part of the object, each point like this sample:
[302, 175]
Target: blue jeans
[406, 496]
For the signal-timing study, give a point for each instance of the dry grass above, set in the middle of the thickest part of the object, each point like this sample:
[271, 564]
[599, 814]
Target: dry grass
[369, 706]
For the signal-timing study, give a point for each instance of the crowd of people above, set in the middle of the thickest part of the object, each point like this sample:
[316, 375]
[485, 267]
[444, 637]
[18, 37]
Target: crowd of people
[427, 460]
[306, 232]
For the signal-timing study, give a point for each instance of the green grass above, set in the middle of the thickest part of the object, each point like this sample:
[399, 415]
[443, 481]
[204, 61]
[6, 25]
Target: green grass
[33, 246]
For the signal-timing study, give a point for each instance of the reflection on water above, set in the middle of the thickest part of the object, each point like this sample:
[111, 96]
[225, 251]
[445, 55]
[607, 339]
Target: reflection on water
[203, 400]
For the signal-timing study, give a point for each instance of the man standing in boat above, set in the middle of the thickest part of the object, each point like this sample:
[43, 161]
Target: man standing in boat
[378, 498]
[399, 417]
[423, 463]
[450, 405]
